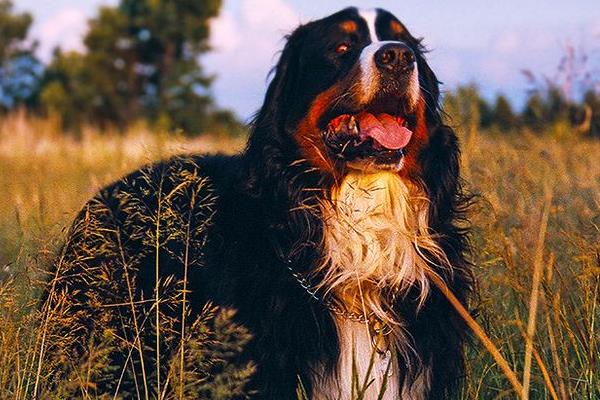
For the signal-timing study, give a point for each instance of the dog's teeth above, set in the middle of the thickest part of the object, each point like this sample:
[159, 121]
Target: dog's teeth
[352, 127]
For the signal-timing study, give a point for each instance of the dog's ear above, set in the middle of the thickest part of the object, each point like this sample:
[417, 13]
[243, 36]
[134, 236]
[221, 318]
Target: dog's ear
[441, 164]
[284, 84]
[430, 88]
[429, 83]
[268, 142]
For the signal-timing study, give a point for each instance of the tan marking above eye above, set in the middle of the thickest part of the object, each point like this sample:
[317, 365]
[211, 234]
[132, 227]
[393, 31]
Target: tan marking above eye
[349, 26]
[396, 27]
[342, 48]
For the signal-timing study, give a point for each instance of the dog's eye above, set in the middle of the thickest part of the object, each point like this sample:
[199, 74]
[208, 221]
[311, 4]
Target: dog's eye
[342, 48]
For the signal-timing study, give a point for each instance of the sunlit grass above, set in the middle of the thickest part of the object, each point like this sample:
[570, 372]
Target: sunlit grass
[520, 176]
[45, 176]
[539, 291]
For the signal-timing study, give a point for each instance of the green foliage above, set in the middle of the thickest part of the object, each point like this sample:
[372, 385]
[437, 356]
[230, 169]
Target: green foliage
[13, 30]
[504, 117]
[591, 113]
[19, 69]
[463, 106]
[141, 61]
[487, 113]
[545, 111]
[67, 93]
[534, 113]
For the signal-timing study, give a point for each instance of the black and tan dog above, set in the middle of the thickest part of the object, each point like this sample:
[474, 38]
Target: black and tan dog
[323, 234]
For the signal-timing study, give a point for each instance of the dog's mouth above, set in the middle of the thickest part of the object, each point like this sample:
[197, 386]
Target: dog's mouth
[369, 139]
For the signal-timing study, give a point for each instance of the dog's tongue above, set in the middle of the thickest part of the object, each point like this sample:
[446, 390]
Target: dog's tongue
[385, 129]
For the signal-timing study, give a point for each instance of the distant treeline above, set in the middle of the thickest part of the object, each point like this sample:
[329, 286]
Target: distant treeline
[565, 103]
[547, 110]
[141, 62]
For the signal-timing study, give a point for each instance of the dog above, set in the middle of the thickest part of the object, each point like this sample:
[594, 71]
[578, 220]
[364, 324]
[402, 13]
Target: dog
[323, 234]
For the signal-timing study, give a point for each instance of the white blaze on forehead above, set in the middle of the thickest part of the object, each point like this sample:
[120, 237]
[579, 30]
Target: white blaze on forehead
[370, 16]
[369, 77]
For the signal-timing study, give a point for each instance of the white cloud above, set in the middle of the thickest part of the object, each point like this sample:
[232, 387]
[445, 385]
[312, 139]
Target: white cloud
[449, 67]
[508, 42]
[270, 14]
[595, 30]
[246, 46]
[65, 28]
[224, 33]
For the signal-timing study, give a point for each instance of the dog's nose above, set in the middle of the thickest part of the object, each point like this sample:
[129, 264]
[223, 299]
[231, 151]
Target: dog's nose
[395, 58]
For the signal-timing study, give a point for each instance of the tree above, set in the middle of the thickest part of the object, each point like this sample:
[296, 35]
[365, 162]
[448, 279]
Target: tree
[13, 30]
[19, 69]
[547, 106]
[486, 113]
[68, 90]
[591, 103]
[534, 114]
[557, 105]
[464, 107]
[504, 117]
[141, 61]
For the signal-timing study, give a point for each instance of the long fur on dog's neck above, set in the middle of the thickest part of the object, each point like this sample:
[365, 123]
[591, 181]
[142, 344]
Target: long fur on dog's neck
[375, 241]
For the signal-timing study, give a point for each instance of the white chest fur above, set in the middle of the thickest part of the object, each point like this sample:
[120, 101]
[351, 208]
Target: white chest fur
[346, 383]
[376, 229]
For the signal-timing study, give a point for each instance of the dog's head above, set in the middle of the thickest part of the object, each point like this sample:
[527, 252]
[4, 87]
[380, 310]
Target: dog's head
[353, 98]
[353, 91]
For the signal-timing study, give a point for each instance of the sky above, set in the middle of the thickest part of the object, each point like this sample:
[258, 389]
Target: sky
[484, 42]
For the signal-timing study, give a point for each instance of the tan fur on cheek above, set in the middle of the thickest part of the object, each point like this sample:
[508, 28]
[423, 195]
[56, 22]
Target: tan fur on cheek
[412, 167]
[308, 134]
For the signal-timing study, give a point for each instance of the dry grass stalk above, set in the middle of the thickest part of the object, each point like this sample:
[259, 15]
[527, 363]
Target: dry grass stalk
[552, 336]
[535, 289]
[480, 333]
[157, 250]
[545, 374]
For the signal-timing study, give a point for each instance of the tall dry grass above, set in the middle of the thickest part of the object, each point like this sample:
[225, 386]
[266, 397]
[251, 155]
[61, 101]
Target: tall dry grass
[45, 178]
[536, 239]
[537, 258]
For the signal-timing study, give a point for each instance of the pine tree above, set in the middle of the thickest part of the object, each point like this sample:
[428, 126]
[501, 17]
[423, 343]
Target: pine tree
[591, 100]
[141, 61]
[534, 114]
[504, 117]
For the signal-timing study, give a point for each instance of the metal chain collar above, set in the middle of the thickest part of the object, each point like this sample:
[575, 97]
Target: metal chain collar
[374, 323]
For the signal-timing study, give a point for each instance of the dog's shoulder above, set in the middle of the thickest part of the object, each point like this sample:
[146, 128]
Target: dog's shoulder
[166, 188]
[166, 202]
[159, 179]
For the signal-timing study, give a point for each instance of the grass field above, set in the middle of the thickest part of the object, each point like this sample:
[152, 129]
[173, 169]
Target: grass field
[536, 237]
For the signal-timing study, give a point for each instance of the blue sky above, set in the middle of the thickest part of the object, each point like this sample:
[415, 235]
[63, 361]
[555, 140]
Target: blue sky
[486, 42]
